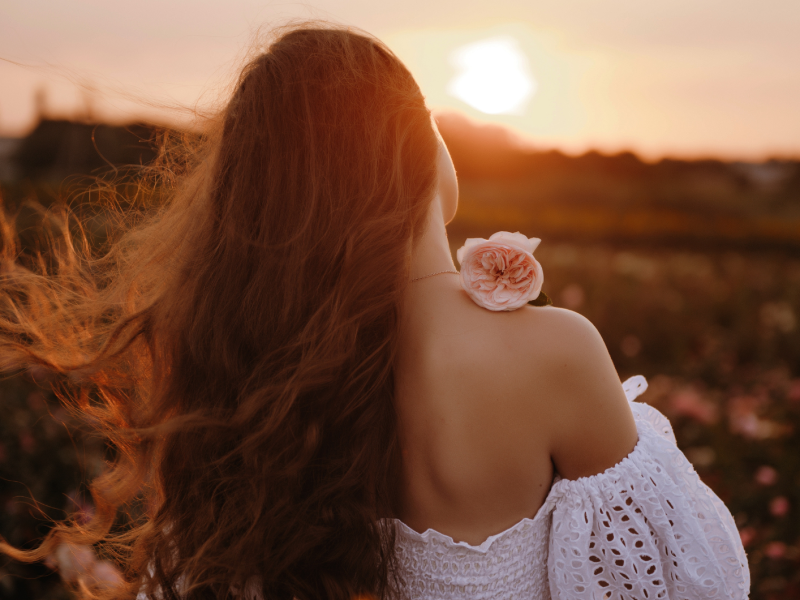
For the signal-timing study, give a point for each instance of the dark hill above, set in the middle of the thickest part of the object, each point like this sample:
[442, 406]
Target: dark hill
[508, 184]
[56, 149]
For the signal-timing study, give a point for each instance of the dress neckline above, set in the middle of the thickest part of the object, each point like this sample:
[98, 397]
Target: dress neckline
[432, 534]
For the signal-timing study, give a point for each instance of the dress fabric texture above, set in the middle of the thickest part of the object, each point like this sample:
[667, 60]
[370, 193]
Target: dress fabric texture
[645, 529]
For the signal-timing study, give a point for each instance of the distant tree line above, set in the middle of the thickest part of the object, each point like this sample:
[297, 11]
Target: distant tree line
[504, 185]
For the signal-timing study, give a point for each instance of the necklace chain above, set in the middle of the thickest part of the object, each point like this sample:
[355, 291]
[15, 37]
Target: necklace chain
[432, 274]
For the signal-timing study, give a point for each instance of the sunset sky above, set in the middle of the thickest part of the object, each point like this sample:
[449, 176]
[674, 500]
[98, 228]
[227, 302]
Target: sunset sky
[661, 77]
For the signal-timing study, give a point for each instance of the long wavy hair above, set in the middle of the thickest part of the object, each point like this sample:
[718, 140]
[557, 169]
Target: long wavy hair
[236, 345]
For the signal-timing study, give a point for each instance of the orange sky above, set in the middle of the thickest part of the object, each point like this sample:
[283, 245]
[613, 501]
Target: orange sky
[677, 77]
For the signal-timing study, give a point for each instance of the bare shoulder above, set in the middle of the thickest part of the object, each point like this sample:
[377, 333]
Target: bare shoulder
[573, 390]
[554, 345]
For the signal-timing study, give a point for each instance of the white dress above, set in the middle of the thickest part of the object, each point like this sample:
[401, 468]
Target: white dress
[645, 529]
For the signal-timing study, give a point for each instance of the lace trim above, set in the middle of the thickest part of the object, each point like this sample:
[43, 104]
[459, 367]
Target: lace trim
[431, 534]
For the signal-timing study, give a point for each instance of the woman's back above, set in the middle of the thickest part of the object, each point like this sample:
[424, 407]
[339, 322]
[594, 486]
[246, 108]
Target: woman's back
[488, 401]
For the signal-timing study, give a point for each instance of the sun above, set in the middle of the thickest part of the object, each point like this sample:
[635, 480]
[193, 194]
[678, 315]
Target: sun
[492, 76]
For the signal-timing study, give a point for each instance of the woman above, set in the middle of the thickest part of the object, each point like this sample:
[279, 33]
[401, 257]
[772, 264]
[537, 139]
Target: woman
[308, 405]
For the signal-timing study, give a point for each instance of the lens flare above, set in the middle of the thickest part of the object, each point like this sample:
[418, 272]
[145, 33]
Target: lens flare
[493, 76]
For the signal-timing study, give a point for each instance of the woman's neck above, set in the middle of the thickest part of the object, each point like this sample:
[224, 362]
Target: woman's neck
[431, 253]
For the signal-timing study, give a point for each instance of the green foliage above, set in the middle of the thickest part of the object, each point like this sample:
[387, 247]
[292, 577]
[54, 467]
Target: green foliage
[541, 300]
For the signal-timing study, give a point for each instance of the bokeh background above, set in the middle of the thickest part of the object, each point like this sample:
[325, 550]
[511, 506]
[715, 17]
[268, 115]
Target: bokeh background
[654, 147]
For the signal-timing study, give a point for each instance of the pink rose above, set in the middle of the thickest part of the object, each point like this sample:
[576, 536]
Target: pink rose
[766, 475]
[779, 507]
[105, 574]
[79, 563]
[775, 550]
[72, 561]
[691, 403]
[500, 273]
[748, 534]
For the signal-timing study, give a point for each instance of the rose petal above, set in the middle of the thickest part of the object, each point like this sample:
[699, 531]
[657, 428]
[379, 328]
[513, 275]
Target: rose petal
[516, 240]
[538, 275]
[469, 243]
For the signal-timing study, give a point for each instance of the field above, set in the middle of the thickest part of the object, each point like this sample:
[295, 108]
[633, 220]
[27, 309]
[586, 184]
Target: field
[713, 322]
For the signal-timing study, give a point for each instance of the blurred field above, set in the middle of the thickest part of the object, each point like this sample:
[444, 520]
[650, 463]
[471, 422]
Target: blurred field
[693, 281]
[596, 221]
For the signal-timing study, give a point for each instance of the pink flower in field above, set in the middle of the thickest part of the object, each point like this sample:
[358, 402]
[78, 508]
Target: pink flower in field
[766, 475]
[779, 506]
[72, 561]
[748, 534]
[793, 395]
[105, 574]
[689, 402]
[82, 511]
[79, 563]
[744, 420]
[500, 273]
[775, 550]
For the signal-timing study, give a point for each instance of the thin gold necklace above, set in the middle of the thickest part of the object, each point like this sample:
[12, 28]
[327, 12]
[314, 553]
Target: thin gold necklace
[432, 274]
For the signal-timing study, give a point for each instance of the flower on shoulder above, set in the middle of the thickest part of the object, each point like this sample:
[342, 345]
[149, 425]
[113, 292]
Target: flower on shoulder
[500, 273]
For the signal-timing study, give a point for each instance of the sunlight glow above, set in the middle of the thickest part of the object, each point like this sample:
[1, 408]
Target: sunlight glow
[493, 76]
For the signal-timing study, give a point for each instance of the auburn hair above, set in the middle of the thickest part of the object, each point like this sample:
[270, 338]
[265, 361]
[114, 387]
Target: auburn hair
[236, 344]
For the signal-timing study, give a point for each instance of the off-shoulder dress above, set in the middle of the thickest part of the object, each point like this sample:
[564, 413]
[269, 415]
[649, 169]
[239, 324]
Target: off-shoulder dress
[645, 529]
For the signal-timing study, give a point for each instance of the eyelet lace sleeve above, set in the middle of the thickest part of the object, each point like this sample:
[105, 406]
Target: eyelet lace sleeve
[645, 529]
